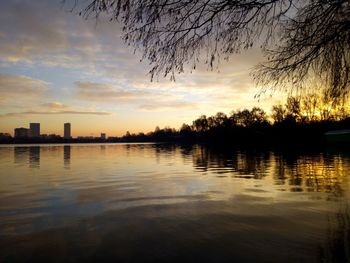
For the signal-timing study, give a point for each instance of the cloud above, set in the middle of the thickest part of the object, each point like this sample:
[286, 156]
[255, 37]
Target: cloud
[23, 32]
[101, 92]
[44, 33]
[54, 105]
[13, 87]
[142, 99]
[25, 113]
[171, 105]
[42, 36]
[50, 108]
[94, 47]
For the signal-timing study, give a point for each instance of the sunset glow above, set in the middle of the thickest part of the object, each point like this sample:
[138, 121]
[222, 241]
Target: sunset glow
[56, 67]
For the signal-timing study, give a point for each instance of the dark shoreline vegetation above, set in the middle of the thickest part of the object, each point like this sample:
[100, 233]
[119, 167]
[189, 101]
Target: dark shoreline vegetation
[301, 121]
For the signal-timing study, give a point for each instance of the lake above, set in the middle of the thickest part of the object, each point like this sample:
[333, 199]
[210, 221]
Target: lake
[161, 202]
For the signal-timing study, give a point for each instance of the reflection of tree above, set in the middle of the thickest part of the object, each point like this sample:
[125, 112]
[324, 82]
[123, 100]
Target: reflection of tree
[247, 163]
[280, 171]
[200, 157]
[337, 247]
[163, 150]
[221, 160]
[313, 173]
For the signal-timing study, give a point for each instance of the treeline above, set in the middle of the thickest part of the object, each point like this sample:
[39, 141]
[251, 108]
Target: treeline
[302, 119]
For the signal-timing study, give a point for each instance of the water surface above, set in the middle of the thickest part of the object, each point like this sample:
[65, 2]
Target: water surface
[158, 202]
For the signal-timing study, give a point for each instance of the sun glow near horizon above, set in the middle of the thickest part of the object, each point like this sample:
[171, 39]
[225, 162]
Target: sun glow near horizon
[56, 67]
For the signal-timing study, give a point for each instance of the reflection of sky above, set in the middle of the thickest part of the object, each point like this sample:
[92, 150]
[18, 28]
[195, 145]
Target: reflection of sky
[45, 186]
[80, 71]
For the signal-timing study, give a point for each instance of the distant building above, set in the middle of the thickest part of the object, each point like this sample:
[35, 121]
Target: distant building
[67, 131]
[103, 136]
[34, 129]
[21, 132]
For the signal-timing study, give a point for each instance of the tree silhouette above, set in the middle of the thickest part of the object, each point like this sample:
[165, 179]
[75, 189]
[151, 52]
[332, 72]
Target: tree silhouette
[219, 120]
[278, 113]
[249, 118]
[299, 38]
[201, 124]
[293, 107]
[299, 121]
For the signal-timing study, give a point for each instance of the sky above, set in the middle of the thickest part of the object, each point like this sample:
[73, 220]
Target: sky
[57, 67]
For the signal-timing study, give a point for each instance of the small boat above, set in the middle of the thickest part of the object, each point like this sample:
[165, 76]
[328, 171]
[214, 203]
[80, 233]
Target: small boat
[338, 136]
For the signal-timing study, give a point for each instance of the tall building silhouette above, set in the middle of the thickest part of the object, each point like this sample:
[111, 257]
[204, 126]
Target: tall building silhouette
[34, 129]
[67, 130]
[21, 132]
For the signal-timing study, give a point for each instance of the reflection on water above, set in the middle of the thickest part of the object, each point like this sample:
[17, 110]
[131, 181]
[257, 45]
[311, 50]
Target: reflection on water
[337, 248]
[66, 156]
[27, 155]
[126, 202]
[20, 154]
[34, 157]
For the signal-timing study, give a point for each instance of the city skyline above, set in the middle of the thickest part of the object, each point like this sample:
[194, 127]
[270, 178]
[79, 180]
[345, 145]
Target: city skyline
[57, 67]
[34, 132]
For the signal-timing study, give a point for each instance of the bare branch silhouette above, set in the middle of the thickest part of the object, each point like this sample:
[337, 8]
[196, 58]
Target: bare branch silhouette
[300, 38]
[314, 43]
